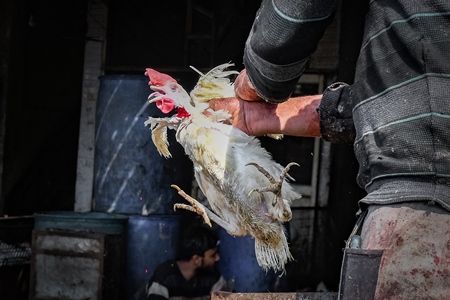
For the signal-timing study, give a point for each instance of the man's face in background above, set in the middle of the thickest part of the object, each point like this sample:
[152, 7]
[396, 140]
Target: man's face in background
[210, 257]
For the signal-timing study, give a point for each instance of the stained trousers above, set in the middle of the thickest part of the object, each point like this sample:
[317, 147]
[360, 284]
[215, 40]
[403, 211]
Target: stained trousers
[404, 253]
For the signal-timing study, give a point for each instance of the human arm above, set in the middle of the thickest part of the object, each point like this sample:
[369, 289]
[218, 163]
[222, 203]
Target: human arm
[162, 281]
[156, 291]
[328, 115]
[296, 116]
[244, 89]
[283, 36]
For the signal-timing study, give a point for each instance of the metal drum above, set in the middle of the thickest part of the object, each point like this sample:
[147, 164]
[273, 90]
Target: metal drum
[151, 240]
[130, 175]
[238, 261]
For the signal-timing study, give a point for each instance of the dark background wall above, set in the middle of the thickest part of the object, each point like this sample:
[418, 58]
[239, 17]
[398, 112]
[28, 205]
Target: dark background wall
[42, 53]
[42, 62]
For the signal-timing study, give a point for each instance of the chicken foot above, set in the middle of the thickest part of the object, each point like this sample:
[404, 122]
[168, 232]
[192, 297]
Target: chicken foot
[275, 188]
[201, 210]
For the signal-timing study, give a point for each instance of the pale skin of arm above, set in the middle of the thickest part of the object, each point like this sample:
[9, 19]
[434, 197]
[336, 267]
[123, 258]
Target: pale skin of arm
[296, 117]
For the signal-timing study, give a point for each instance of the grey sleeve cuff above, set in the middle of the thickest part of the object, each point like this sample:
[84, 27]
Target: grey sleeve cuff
[274, 83]
[335, 112]
[283, 36]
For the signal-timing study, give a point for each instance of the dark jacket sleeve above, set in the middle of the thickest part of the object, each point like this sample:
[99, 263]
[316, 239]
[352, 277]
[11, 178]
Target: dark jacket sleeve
[335, 112]
[283, 36]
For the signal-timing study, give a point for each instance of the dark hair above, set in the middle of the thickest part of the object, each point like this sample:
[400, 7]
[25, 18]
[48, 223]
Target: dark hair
[196, 241]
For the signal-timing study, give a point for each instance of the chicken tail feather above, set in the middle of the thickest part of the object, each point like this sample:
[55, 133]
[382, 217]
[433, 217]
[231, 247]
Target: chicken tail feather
[271, 256]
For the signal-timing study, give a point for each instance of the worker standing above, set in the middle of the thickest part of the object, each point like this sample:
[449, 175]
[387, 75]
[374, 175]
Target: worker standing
[396, 113]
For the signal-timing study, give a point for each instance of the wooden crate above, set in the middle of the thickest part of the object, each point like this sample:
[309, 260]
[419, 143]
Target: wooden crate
[76, 265]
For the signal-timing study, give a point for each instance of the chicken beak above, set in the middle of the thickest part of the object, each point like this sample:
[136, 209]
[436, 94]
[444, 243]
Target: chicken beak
[158, 92]
[153, 97]
[157, 88]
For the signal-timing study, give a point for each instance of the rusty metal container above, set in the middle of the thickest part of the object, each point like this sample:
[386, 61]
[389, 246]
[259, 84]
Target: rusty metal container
[76, 265]
[78, 255]
[97, 222]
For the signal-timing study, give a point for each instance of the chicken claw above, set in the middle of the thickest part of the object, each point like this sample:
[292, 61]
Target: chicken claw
[195, 206]
[275, 188]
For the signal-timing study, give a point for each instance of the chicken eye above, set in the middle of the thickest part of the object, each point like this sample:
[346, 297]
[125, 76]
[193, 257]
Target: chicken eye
[173, 88]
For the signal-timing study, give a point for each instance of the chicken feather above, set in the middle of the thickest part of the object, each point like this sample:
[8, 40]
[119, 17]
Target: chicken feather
[233, 171]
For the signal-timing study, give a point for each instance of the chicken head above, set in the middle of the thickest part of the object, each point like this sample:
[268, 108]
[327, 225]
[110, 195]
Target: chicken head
[168, 94]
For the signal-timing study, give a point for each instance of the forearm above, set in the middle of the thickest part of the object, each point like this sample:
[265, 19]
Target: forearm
[328, 116]
[296, 117]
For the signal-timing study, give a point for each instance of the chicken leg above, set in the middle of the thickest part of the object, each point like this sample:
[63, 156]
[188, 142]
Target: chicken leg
[275, 188]
[201, 210]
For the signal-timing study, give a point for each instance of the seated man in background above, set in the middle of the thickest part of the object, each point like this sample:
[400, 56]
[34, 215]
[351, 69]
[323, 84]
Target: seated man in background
[192, 275]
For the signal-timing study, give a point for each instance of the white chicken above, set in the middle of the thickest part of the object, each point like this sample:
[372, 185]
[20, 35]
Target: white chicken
[234, 172]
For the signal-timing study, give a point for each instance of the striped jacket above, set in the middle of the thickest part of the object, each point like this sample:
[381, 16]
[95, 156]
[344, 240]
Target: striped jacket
[397, 111]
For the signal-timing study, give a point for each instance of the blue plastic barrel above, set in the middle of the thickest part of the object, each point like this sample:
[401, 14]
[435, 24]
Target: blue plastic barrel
[238, 261]
[130, 175]
[151, 240]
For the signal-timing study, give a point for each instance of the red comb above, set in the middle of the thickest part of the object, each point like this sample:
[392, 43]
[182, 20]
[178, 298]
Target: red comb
[157, 78]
